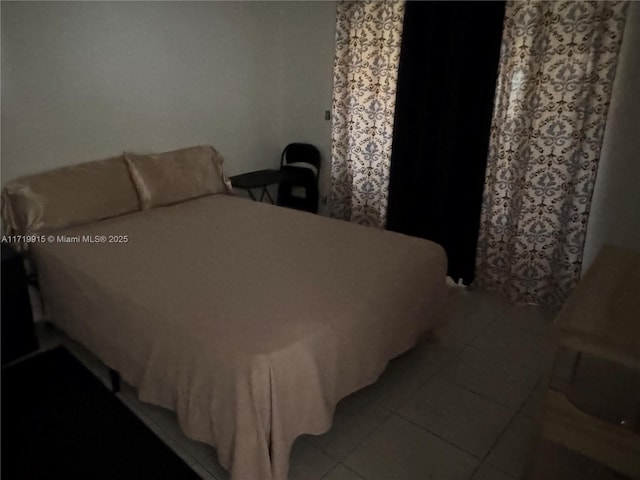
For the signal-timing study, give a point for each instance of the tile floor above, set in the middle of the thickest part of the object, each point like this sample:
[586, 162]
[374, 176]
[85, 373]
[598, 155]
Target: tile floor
[461, 406]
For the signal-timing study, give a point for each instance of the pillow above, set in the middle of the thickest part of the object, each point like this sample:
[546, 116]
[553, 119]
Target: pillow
[69, 196]
[172, 177]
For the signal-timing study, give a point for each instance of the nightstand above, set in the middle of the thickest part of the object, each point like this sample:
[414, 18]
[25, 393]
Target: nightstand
[600, 319]
[18, 332]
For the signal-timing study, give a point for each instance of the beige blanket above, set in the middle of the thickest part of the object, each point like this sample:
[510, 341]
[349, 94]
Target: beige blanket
[249, 321]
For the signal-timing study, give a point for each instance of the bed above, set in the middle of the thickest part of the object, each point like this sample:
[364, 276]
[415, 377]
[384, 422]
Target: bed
[250, 321]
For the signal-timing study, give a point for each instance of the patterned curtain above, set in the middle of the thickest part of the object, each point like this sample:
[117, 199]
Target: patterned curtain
[557, 64]
[368, 38]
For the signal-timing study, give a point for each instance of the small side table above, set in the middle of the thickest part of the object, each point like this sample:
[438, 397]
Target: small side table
[258, 179]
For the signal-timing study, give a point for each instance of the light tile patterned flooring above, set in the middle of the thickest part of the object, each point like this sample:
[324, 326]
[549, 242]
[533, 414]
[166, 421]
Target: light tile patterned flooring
[460, 406]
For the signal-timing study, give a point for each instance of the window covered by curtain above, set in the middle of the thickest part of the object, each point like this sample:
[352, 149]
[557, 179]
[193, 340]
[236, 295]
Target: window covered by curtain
[557, 64]
[446, 85]
[368, 37]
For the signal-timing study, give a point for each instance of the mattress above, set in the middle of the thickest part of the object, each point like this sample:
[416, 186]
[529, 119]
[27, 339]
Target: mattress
[250, 321]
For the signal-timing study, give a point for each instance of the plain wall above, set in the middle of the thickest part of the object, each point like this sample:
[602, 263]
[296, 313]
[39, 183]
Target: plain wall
[88, 80]
[615, 207]
[309, 50]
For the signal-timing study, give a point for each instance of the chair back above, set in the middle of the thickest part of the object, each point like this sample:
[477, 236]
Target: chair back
[299, 169]
[299, 154]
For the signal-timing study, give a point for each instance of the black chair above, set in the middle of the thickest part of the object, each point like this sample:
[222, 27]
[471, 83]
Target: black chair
[296, 174]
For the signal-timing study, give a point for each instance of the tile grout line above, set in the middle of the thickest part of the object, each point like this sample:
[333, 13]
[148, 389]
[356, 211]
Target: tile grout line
[467, 347]
[515, 412]
[448, 442]
[495, 443]
[523, 365]
[526, 400]
[364, 438]
[493, 400]
[437, 373]
[393, 411]
[345, 466]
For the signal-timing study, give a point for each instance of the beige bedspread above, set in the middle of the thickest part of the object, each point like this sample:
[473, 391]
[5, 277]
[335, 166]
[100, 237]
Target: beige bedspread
[249, 321]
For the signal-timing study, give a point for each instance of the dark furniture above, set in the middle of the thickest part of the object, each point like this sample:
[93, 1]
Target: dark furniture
[60, 422]
[258, 179]
[294, 171]
[299, 168]
[18, 332]
[600, 319]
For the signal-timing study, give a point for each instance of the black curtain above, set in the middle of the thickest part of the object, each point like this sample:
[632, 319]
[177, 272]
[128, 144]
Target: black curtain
[446, 84]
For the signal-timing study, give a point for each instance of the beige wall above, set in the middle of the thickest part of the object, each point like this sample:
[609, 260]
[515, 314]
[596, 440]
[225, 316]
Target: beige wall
[84, 80]
[615, 208]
